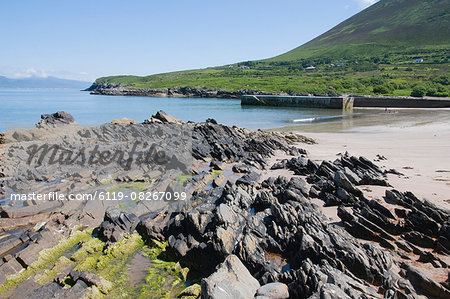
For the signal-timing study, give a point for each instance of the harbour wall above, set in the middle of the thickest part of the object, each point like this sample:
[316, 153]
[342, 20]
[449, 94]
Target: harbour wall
[343, 102]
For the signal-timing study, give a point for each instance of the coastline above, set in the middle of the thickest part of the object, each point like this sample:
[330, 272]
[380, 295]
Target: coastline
[360, 101]
[415, 143]
[188, 92]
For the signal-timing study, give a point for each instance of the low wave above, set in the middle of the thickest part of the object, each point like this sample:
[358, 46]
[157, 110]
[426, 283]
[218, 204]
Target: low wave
[315, 119]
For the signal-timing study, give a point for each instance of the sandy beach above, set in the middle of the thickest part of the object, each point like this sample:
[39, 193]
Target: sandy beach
[415, 143]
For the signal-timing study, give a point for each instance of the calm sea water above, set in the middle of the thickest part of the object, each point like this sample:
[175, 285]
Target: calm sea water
[23, 108]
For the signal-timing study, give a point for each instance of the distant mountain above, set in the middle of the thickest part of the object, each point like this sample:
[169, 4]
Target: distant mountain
[37, 82]
[385, 27]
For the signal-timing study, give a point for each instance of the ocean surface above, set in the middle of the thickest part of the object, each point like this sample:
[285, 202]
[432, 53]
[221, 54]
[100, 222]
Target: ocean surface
[23, 108]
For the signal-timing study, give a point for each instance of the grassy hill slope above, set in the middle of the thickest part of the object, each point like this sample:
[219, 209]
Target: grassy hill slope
[385, 27]
[377, 51]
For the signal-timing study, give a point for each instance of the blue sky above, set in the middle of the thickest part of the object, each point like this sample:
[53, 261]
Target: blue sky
[88, 39]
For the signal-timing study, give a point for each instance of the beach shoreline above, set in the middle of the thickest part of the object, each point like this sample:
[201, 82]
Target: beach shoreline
[416, 146]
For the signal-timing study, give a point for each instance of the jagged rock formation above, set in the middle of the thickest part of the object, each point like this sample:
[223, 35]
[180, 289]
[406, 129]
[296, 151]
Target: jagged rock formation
[264, 229]
[281, 237]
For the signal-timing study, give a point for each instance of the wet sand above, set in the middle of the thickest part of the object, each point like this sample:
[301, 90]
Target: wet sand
[414, 142]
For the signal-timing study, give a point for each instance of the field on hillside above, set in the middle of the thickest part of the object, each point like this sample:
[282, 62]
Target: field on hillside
[398, 75]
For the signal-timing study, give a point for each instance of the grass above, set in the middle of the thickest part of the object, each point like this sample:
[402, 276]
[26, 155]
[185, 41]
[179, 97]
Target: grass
[397, 72]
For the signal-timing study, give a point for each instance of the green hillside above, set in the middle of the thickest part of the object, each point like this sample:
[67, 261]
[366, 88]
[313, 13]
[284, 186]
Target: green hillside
[386, 27]
[394, 47]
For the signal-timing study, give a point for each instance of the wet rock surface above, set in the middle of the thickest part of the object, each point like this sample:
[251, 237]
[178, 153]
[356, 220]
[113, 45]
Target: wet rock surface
[244, 232]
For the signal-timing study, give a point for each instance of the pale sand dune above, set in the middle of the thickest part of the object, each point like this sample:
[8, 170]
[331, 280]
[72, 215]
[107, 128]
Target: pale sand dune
[419, 149]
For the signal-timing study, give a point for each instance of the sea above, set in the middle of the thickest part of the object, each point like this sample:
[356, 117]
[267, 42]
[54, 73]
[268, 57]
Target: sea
[22, 108]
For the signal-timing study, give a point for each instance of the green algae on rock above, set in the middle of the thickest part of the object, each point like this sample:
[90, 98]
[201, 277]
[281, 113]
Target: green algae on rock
[163, 279]
[47, 259]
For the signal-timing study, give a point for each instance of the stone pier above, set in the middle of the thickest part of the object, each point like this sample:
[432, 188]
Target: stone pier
[344, 102]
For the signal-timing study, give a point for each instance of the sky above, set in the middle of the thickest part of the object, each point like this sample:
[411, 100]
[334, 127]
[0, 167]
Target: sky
[87, 39]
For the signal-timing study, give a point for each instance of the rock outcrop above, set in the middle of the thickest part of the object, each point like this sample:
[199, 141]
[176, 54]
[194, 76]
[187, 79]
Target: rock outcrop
[186, 91]
[230, 280]
[55, 119]
[162, 117]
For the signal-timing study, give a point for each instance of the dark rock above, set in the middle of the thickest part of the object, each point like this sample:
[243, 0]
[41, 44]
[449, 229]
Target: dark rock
[29, 254]
[330, 199]
[212, 121]
[382, 209]
[231, 279]
[330, 291]
[248, 179]
[274, 290]
[320, 281]
[447, 282]
[55, 119]
[8, 243]
[215, 165]
[341, 180]
[13, 263]
[24, 289]
[444, 236]
[419, 239]
[78, 290]
[424, 217]
[216, 183]
[300, 166]
[445, 230]
[28, 211]
[425, 284]
[116, 223]
[279, 165]
[50, 290]
[313, 192]
[443, 245]
[404, 246]
[242, 168]
[370, 179]
[342, 194]
[162, 117]
[401, 213]
[91, 279]
[428, 257]
[353, 177]
[394, 171]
